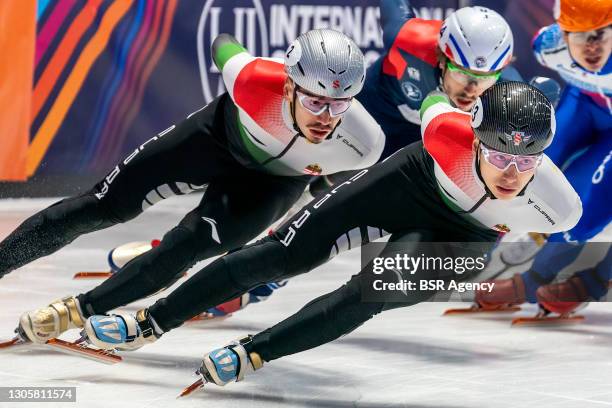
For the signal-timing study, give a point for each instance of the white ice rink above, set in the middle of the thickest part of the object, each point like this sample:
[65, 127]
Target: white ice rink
[411, 357]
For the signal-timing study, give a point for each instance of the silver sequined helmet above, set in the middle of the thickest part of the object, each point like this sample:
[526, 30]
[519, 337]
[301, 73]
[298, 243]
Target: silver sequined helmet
[326, 63]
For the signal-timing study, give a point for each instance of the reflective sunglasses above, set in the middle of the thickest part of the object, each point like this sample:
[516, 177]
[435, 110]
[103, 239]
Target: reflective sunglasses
[318, 104]
[503, 161]
[465, 78]
[597, 36]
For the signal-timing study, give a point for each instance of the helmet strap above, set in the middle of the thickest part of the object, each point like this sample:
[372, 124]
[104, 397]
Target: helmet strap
[442, 72]
[479, 174]
[292, 110]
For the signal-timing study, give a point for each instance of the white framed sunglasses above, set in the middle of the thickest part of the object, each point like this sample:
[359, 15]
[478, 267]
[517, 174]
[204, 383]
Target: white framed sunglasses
[319, 104]
[502, 161]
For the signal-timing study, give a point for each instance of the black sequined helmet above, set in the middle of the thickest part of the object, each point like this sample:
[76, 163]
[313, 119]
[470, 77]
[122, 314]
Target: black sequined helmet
[515, 118]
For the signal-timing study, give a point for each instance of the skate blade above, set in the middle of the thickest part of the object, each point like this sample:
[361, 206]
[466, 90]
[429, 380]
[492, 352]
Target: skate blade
[97, 275]
[193, 387]
[84, 350]
[208, 316]
[479, 310]
[546, 320]
[92, 275]
[17, 341]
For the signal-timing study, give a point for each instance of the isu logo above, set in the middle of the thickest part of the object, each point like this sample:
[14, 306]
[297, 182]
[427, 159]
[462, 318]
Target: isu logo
[313, 169]
[518, 137]
[502, 228]
[244, 19]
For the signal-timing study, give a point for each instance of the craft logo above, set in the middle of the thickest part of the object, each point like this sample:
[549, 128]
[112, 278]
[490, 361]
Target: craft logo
[518, 137]
[313, 169]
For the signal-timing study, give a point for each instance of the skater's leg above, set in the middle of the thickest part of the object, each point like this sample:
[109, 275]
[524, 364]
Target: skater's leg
[234, 210]
[153, 171]
[596, 279]
[343, 310]
[311, 237]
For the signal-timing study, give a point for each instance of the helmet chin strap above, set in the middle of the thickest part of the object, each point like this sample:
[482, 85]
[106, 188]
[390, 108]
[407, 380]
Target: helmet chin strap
[479, 174]
[292, 110]
[443, 87]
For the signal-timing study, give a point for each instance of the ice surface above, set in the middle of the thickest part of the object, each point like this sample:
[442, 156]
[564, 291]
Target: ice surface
[407, 358]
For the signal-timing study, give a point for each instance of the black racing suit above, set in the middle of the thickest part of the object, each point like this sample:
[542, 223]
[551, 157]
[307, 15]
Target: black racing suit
[239, 203]
[399, 195]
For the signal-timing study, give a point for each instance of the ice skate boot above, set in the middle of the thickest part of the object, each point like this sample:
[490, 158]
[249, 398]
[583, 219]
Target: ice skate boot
[505, 297]
[118, 257]
[49, 322]
[121, 331]
[559, 303]
[524, 250]
[229, 363]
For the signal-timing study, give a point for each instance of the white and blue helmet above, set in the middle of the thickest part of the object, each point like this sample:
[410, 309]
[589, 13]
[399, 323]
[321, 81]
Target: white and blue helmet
[477, 38]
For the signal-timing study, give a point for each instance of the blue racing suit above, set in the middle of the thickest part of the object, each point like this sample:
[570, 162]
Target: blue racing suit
[583, 149]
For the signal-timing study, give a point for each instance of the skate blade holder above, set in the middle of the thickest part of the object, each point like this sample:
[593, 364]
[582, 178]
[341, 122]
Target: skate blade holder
[97, 275]
[205, 317]
[479, 310]
[547, 320]
[74, 348]
[92, 275]
[199, 384]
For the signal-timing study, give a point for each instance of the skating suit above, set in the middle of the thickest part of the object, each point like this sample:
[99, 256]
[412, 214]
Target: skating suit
[583, 149]
[426, 192]
[398, 82]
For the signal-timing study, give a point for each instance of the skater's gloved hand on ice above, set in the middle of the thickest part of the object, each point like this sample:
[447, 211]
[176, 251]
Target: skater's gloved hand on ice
[121, 331]
[229, 363]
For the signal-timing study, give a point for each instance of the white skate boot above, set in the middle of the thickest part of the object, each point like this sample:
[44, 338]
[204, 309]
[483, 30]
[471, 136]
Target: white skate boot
[522, 251]
[118, 257]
